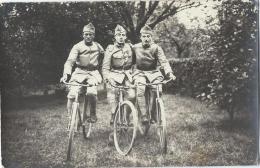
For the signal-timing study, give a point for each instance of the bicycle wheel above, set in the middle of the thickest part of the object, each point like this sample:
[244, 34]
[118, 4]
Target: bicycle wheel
[161, 128]
[86, 126]
[72, 128]
[125, 127]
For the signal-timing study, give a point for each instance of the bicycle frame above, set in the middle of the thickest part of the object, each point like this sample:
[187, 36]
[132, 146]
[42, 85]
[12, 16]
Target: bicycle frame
[121, 98]
[76, 101]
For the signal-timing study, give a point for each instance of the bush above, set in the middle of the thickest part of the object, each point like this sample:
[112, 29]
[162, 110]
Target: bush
[193, 76]
[228, 77]
[235, 76]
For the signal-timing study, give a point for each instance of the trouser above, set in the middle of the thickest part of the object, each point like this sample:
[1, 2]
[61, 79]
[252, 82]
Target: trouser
[90, 98]
[90, 93]
[146, 96]
[113, 95]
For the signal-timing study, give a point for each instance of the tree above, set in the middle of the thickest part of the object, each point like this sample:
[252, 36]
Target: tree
[35, 51]
[135, 14]
[235, 49]
[181, 42]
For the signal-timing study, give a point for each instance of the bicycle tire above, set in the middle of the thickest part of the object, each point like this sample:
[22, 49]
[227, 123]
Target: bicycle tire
[123, 125]
[162, 130]
[72, 129]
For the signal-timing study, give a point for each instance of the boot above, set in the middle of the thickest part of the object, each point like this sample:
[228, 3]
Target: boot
[92, 106]
[112, 119]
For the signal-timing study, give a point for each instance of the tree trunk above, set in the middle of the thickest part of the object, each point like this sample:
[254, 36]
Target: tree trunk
[134, 37]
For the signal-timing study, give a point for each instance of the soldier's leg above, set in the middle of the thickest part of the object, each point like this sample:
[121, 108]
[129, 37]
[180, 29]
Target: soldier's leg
[141, 97]
[129, 95]
[153, 99]
[112, 96]
[73, 91]
[91, 96]
[69, 106]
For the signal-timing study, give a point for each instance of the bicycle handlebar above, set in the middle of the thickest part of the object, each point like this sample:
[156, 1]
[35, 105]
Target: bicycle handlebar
[157, 83]
[139, 83]
[74, 84]
[120, 87]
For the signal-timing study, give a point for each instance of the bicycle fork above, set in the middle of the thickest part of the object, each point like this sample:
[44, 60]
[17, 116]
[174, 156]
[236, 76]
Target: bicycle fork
[158, 115]
[120, 117]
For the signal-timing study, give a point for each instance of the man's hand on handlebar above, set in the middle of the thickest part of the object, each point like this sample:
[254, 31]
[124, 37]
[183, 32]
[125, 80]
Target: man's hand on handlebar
[65, 78]
[92, 82]
[111, 81]
[171, 76]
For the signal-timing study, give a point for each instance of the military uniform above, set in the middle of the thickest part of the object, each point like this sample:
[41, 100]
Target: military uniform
[117, 65]
[149, 60]
[86, 56]
[87, 61]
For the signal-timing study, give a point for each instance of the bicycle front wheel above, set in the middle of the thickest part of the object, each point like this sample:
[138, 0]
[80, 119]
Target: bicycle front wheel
[125, 127]
[161, 127]
[72, 128]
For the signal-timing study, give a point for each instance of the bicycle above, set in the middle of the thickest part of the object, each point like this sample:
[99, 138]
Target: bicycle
[160, 118]
[77, 119]
[125, 123]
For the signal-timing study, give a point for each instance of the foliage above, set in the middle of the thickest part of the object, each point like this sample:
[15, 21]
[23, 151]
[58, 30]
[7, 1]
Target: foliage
[135, 14]
[180, 42]
[234, 72]
[37, 37]
[227, 76]
[192, 75]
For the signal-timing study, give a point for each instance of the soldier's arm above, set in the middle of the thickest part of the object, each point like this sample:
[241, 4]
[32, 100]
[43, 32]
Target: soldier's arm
[106, 63]
[163, 61]
[101, 57]
[133, 56]
[70, 61]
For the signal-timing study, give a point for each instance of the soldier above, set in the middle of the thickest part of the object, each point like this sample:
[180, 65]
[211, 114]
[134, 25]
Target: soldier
[148, 55]
[117, 68]
[86, 56]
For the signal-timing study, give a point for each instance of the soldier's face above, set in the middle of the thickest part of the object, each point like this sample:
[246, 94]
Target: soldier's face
[120, 38]
[146, 39]
[88, 37]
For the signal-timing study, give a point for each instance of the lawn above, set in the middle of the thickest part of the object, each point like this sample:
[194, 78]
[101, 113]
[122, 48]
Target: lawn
[34, 135]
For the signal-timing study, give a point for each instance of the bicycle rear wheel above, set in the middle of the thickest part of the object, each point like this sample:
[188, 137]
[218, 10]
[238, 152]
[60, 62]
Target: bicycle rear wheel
[72, 129]
[125, 127]
[161, 127]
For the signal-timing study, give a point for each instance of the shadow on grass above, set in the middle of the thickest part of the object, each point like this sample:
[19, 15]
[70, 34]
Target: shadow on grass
[34, 102]
[228, 125]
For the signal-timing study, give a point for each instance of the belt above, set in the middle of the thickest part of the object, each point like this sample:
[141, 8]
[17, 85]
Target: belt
[121, 68]
[146, 68]
[88, 68]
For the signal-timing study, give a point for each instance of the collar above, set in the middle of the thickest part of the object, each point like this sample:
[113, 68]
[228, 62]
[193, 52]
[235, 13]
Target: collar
[120, 46]
[88, 44]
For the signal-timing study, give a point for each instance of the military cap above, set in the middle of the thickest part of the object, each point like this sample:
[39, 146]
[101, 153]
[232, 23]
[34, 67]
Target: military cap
[89, 28]
[146, 30]
[119, 29]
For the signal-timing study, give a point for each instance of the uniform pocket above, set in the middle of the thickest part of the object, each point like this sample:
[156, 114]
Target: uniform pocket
[118, 59]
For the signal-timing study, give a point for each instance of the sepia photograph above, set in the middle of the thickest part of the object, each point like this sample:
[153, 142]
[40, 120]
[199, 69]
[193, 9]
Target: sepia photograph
[171, 83]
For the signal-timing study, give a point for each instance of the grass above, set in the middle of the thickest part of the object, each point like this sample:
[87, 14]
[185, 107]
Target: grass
[34, 135]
